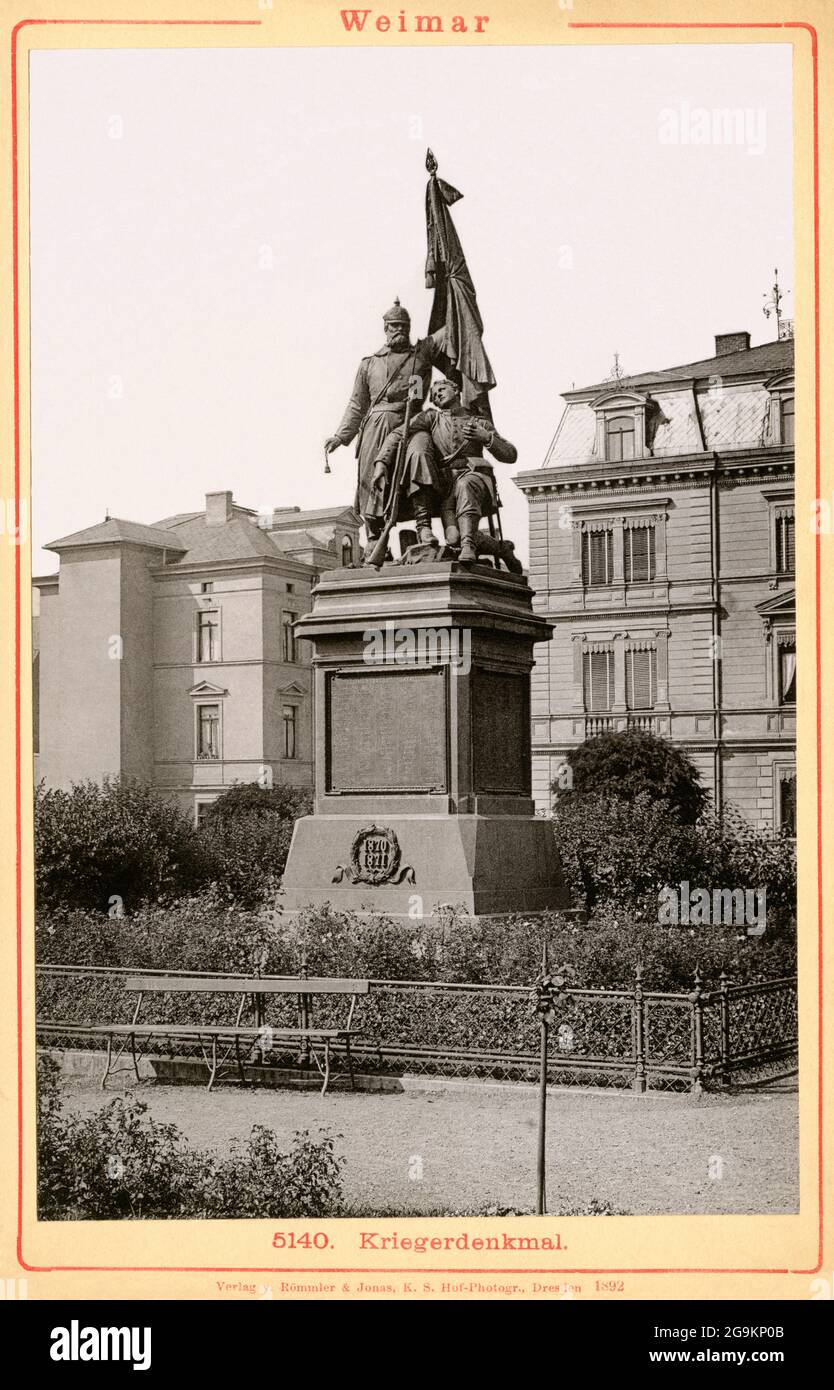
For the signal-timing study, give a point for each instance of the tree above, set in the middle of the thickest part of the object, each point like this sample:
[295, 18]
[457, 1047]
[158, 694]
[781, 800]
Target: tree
[246, 834]
[112, 845]
[626, 765]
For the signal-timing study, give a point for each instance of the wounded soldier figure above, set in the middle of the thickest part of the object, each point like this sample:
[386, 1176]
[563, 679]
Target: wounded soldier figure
[446, 472]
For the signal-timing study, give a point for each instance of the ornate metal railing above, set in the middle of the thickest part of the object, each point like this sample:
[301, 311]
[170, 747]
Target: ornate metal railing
[618, 1038]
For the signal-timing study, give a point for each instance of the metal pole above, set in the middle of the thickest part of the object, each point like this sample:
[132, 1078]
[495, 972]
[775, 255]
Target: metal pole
[541, 1195]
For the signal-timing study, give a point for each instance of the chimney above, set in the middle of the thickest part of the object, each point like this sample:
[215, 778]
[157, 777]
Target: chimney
[731, 342]
[219, 508]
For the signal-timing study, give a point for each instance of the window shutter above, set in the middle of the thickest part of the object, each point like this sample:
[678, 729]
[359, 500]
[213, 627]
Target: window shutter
[597, 557]
[787, 805]
[639, 551]
[599, 680]
[785, 543]
[641, 679]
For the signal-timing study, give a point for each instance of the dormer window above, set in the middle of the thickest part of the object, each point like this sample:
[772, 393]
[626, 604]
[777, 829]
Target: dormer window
[779, 427]
[619, 438]
[621, 425]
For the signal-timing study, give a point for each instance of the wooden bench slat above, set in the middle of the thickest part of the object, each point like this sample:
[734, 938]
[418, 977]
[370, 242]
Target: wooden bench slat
[166, 984]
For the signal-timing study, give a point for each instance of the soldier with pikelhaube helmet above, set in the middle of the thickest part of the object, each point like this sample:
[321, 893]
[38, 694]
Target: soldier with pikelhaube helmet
[377, 406]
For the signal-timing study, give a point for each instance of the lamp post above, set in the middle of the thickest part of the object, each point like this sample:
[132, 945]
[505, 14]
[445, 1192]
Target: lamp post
[550, 991]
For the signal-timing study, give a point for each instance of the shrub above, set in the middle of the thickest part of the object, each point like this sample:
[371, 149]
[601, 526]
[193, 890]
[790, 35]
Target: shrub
[125, 840]
[121, 839]
[120, 1163]
[204, 933]
[246, 836]
[619, 853]
[617, 857]
[633, 764]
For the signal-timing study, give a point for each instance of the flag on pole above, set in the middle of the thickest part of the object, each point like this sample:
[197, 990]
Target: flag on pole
[455, 305]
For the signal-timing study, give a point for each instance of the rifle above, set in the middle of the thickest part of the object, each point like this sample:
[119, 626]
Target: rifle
[376, 557]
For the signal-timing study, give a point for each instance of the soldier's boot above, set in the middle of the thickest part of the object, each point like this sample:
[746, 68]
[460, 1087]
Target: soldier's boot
[373, 530]
[468, 524]
[501, 550]
[422, 516]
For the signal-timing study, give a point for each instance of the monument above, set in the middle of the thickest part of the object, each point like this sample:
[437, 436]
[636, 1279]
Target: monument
[422, 664]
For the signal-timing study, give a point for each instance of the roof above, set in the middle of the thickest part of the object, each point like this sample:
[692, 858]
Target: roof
[193, 541]
[116, 529]
[299, 540]
[284, 517]
[692, 410]
[766, 360]
[237, 539]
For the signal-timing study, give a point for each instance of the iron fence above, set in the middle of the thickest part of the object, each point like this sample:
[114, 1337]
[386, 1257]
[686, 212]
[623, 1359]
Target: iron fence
[708, 1038]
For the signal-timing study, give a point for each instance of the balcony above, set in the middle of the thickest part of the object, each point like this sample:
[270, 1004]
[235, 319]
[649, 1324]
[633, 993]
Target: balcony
[616, 723]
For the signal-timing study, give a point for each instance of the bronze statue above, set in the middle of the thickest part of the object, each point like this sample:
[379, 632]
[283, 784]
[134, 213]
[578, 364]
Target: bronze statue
[377, 406]
[446, 472]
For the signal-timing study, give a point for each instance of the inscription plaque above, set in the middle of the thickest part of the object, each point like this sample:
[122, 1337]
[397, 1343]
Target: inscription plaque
[387, 731]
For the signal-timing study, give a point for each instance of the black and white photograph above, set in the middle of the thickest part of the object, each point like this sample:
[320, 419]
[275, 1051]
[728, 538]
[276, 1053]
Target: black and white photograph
[414, 633]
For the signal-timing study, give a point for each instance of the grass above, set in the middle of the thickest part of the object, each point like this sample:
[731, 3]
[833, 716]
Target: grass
[443, 1152]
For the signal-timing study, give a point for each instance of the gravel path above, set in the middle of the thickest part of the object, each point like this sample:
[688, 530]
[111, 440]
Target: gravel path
[453, 1149]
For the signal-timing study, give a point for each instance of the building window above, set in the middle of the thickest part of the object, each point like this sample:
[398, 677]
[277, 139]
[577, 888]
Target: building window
[785, 542]
[208, 635]
[638, 554]
[347, 551]
[201, 809]
[619, 438]
[787, 675]
[786, 809]
[597, 557]
[208, 732]
[641, 677]
[786, 417]
[599, 679]
[207, 586]
[287, 622]
[288, 716]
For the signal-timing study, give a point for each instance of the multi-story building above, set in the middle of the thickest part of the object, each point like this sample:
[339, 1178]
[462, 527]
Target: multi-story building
[167, 652]
[662, 548]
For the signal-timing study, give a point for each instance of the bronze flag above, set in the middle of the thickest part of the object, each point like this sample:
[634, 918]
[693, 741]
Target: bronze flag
[455, 305]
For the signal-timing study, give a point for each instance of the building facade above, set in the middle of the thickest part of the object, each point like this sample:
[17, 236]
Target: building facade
[662, 548]
[167, 652]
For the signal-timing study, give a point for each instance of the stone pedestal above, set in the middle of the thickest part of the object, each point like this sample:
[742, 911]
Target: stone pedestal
[422, 715]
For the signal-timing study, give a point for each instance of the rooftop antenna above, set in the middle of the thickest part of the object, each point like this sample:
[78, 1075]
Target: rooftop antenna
[617, 373]
[773, 305]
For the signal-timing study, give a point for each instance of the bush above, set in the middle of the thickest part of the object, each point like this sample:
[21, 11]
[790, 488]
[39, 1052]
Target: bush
[630, 765]
[120, 839]
[617, 857]
[204, 933]
[246, 836]
[125, 841]
[120, 1163]
[620, 854]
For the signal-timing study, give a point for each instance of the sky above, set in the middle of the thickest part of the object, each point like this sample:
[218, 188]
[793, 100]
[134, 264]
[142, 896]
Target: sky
[216, 234]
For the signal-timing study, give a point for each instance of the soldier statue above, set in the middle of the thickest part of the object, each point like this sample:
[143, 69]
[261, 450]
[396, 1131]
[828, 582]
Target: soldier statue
[446, 472]
[377, 406]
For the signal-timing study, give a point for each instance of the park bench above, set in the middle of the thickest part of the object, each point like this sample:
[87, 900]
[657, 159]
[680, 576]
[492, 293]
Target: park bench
[219, 1043]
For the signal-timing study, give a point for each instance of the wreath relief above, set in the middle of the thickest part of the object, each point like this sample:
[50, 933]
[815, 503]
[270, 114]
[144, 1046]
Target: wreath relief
[374, 858]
